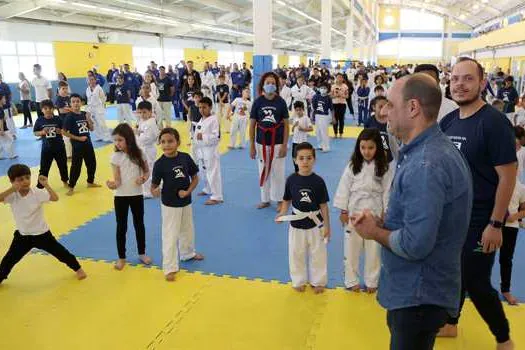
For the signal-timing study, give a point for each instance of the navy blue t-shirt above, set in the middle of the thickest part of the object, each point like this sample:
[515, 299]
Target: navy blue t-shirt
[268, 113]
[121, 93]
[62, 102]
[176, 174]
[164, 85]
[322, 105]
[237, 78]
[6, 91]
[53, 139]
[364, 93]
[373, 123]
[222, 90]
[509, 97]
[307, 193]
[486, 139]
[77, 124]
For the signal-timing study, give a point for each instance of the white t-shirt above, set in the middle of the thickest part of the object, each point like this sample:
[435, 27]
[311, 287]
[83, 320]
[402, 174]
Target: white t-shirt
[300, 136]
[41, 86]
[447, 106]
[28, 212]
[241, 105]
[129, 173]
[24, 85]
[521, 162]
[518, 196]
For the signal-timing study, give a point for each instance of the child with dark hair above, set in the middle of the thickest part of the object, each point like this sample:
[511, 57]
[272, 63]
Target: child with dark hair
[32, 230]
[363, 185]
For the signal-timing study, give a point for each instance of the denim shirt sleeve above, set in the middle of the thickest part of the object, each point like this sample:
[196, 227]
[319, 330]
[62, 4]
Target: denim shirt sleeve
[424, 196]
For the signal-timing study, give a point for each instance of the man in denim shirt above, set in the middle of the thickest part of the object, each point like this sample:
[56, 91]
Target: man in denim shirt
[426, 222]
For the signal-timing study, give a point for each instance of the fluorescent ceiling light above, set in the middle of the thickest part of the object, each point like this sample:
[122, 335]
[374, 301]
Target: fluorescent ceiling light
[84, 5]
[143, 5]
[107, 9]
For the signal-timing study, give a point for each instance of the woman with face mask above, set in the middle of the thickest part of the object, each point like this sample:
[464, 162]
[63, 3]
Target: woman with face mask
[269, 130]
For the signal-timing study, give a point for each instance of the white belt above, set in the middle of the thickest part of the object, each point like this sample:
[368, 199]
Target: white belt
[301, 215]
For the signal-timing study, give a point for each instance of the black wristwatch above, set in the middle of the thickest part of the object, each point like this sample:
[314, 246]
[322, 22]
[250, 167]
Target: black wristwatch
[496, 224]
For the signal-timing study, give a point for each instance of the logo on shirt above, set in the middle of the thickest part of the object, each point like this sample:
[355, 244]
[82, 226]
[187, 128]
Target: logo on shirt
[320, 106]
[51, 132]
[161, 86]
[268, 116]
[305, 196]
[385, 142]
[179, 174]
[82, 127]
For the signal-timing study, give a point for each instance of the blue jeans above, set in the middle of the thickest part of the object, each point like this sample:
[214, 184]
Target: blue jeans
[363, 115]
[415, 328]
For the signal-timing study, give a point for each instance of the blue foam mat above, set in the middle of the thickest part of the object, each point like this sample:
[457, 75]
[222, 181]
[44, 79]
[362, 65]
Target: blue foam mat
[236, 238]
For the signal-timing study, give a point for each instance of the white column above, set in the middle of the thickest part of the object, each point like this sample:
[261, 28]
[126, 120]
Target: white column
[447, 41]
[349, 45]
[262, 40]
[370, 46]
[326, 31]
[362, 40]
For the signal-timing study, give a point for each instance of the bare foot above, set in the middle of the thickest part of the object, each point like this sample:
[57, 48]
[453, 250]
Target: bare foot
[300, 288]
[448, 331]
[355, 289]
[201, 194]
[93, 185]
[212, 202]
[197, 256]
[318, 289]
[170, 277]
[510, 298]
[146, 260]
[80, 274]
[263, 205]
[508, 345]
[70, 192]
[371, 290]
[119, 265]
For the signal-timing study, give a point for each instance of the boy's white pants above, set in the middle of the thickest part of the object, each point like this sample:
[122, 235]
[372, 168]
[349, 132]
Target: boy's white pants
[7, 145]
[307, 245]
[10, 121]
[273, 187]
[238, 126]
[177, 237]
[69, 147]
[101, 131]
[166, 109]
[124, 113]
[210, 166]
[322, 122]
[150, 153]
[353, 246]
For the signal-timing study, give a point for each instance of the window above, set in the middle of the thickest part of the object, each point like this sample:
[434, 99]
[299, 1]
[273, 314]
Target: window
[227, 58]
[419, 20]
[275, 61]
[20, 56]
[142, 56]
[294, 61]
[420, 48]
[387, 47]
[173, 57]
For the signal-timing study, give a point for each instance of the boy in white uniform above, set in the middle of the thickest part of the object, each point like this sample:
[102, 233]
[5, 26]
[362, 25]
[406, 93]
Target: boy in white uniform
[145, 95]
[96, 99]
[147, 136]
[301, 126]
[206, 143]
[242, 106]
[32, 230]
[6, 138]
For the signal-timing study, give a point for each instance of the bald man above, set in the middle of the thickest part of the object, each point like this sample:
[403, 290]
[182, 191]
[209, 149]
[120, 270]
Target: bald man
[427, 219]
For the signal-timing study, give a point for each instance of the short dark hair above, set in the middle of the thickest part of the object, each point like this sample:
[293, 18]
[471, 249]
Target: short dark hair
[207, 101]
[170, 131]
[376, 100]
[162, 67]
[18, 170]
[303, 146]
[379, 88]
[298, 104]
[63, 83]
[47, 103]
[427, 67]
[75, 95]
[519, 132]
[37, 66]
[198, 93]
[428, 94]
[145, 105]
[481, 71]
[510, 78]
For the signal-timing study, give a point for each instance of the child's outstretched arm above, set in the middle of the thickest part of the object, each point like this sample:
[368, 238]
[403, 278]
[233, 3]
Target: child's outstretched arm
[53, 196]
[7, 192]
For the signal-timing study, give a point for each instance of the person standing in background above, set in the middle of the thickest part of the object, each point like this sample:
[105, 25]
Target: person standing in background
[42, 86]
[25, 99]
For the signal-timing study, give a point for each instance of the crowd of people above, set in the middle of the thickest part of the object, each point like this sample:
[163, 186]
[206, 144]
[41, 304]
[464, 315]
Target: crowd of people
[431, 192]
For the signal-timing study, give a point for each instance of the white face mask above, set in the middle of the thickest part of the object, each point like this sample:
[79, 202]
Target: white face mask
[323, 91]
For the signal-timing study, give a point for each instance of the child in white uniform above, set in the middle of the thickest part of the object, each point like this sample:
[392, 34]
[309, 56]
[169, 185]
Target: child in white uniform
[310, 223]
[301, 126]
[147, 135]
[364, 185]
[178, 174]
[242, 106]
[7, 145]
[206, 143]
[96, 99]
[145, 95]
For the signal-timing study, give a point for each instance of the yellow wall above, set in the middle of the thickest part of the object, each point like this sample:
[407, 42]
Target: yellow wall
[199, 57]
[248, 58]
[384, 12]
[304, 60]
[282, 60]
[490, 63]
[74, 59]
[508, 35]
[390, 61]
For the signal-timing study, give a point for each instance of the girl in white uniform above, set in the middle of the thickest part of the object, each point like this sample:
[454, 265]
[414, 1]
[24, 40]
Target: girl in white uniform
[96, 99]
[147, 135]
[206, 141]
[242, 106]
[364, 185]
[145, 95]
[149, 79]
